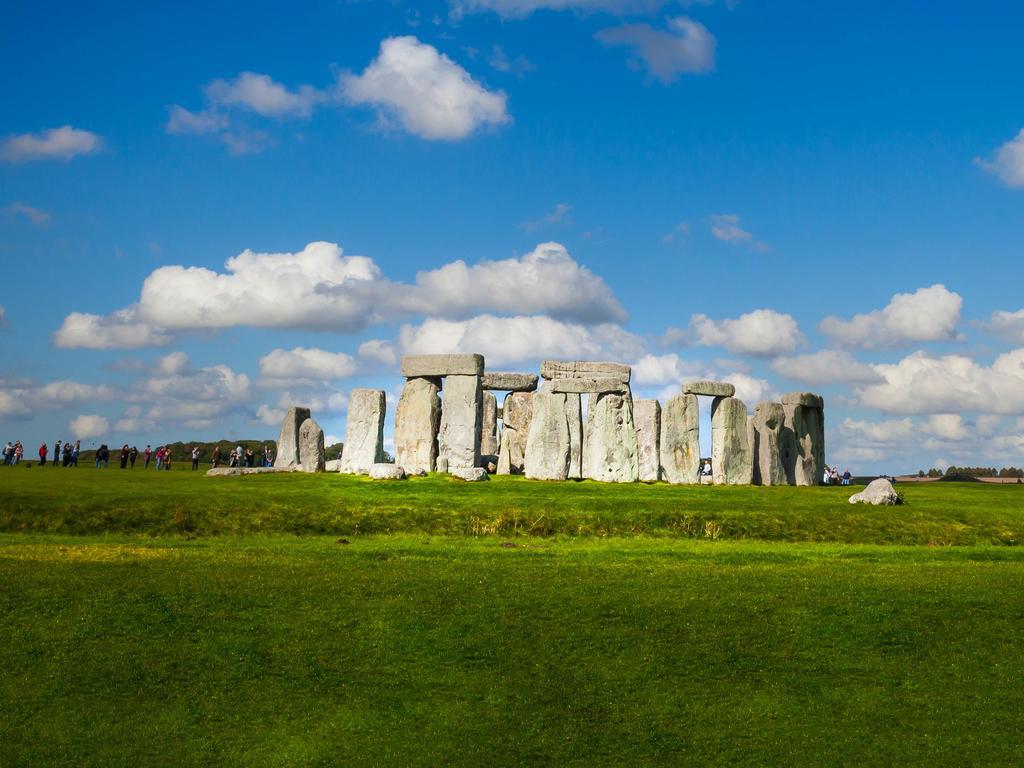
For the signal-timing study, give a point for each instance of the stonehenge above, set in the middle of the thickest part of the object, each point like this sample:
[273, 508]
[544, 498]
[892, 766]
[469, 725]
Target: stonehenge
[576, 420]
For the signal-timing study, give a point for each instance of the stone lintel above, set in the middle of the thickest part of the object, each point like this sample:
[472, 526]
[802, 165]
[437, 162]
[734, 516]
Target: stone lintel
[509, 382]
[428, 366]
[588, 386]
[709, 388]
[808, 399]
[583, 369]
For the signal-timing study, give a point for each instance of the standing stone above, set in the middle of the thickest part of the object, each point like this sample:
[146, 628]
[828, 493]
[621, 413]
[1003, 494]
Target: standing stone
[731, 461]
[574, 417]
[364, 433]
[288, 441]
[489, 426]
[516, 416]
[417, 420]
[458, 441]
[647, 417]
[765, 437]
[803, 443]
[311, 447]
[610, 453]
[547, 444]
[680, 440]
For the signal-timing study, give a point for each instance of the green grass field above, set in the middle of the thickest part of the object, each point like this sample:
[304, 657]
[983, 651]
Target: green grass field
[181, 620]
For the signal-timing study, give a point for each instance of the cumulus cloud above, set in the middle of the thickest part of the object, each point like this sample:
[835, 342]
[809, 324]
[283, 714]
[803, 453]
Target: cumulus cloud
[763, 332]
[1007, 325]
[319, 288]
[261, 94]
[670, 372]
[928, 314]
[686, 47]
[181, 120]
[380, 350]
[61, 143]
[30, 213]
[412, 84]
[302, 364]
[89, 425]
[726, 227]
[826, 366]
[504, 340]
[1007, 162]
[947, 426]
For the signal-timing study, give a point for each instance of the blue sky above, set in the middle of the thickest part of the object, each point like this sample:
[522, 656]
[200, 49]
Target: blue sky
[792, 196]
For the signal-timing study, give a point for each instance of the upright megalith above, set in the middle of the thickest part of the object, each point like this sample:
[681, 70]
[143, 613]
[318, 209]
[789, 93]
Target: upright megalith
[765, 437]
[731, 460]
[574, 418]
[516, 416]
[288, 441]
[311, 447]
[458, 441]
[547, 443]
[417, 421]
[610, 448]
[803, 438]
[364, 433]
[489, 425]
[647, 418]
[680, 440]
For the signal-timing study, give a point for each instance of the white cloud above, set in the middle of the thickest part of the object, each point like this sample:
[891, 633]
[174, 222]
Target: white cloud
[270, 415]
[891, 431]
[658, 370]
[61, 143]
[34, 215]
[920, 383]
[56, 394]
[261, 94]
[319, 288]
[1007, 325]
[1007, 163]
[504, 340]
[120, 330]
[726, 227]
[761, 332]
[686, 48]
[89, 425]
[557, 214]
[378, 349]
[928, 314]
[424, 91]
[522, 8]
[947, 426]
[302, 364]
[503, 63]
[182, 120]
[827, 366]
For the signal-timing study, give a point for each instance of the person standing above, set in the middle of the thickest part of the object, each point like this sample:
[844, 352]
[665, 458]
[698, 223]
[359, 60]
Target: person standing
[19, 451]
[195, 457]
[133, 454]
[159, 458]
[215, 458]
[74, 453]
[66, 459]
[124, 456]
[56, 454]
[43, 449]
[147, 455]
[239, 453]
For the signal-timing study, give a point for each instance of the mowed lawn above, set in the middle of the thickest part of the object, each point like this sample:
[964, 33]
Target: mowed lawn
[233, 641]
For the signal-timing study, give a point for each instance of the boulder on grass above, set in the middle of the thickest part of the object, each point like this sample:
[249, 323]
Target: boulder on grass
[878, 492]
[469, 474]
[386, 472]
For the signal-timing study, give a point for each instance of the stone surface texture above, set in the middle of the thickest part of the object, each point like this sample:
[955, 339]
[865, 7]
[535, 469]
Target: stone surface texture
[288, 440]
[417, 421]
[489, 425]
[574, 418]
[311, 447]
[238, 471]
[647, 418]
[381, 471]
[610, 449]
[731, 459]
[364, 432]
[803, 444]
[547, 442]
[516, 415]
[442, 365]
[680, 440]
[458, 440]
[509, 382]
[334, 465]
[709, 388]
[808, 399]
[765, 436]
[470, 474]
[588, 386]
[878, 492]
[581, 369]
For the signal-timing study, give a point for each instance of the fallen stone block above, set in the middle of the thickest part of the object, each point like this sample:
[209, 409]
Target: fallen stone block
[878, 492]
[709, 388]
[239, 471]
[470, 474]
[583, 369]
[509, 382]
[383, 471]
[442, 365]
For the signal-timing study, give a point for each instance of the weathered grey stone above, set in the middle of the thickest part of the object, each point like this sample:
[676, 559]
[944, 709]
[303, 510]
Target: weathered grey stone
[709, 388]
[458, 440]
[489, 425]
[288, 441]
[417, 421]
[416, 473]
[808, 399]
[587, 386]
[610, 449]
[765, 437]
[878, 492]
[582, 369]
[311, 447]
[509, 382]
[364, 432]
[516, 415]
[442, 464]
[239, 471]
[803, 444]
[442, 365]
[334, 465]
[731, 460]
[647, 419]
[680, 440]
[547, 443]
[470, 474]
[383, 471]
[574, 418]
[489, 462]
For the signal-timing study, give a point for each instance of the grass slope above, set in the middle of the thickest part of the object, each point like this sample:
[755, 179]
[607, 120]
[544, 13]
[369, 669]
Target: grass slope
[89, 501]
[437, 651]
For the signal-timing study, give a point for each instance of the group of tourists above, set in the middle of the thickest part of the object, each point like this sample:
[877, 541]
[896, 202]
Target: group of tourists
[831, 476]
[239, 457]
[13, 452]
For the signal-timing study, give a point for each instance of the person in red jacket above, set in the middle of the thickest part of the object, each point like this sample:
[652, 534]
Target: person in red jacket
[43, 450]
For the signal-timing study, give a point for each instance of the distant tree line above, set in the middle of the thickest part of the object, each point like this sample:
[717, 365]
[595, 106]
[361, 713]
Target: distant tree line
[973, 472]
